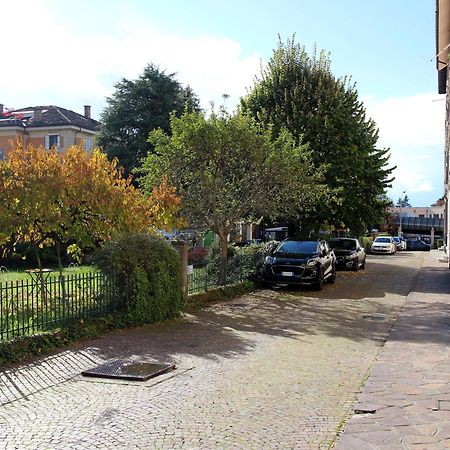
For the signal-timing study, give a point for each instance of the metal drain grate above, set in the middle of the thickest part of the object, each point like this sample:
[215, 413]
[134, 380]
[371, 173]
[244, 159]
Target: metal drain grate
[128, 370]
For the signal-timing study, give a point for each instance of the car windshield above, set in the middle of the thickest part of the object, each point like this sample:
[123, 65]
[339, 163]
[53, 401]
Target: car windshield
[396, 239]
[297, 247]
[383, 240]
[344, 244]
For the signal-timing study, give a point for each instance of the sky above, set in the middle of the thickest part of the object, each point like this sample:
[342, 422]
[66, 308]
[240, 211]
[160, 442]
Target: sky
[71, 54]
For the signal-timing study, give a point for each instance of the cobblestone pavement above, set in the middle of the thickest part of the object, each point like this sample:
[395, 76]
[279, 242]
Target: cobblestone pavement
[273, 369]
[406, 402]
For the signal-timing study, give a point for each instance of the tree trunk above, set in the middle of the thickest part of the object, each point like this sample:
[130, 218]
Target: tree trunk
[62, 281]
[58, 254]
[223, 258]
[40, 282]
[38, 258]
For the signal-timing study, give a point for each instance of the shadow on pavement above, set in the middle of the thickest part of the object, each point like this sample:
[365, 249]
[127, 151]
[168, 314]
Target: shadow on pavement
[343, 310]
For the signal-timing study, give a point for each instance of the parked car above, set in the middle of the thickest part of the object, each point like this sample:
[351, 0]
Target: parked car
[276, 234]
[417, 244]
[296, 262]
[400, 243]
[383, 244]
[349, 253]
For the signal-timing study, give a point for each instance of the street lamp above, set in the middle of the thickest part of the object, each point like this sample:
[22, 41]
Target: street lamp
[403, 194]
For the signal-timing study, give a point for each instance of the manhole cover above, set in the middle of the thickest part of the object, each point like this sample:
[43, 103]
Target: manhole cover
[128, 370]
[379, 317]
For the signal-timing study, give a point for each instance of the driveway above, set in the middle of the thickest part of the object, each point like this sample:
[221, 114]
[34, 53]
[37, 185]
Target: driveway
[272, 369]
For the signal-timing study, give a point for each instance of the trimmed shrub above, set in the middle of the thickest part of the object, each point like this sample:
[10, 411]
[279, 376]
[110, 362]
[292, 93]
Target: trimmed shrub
[147, 270]
[366, 242]
[243, 262]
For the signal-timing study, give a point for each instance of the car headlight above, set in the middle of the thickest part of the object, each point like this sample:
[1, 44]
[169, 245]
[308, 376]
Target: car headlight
[268, 259]
[311, 262]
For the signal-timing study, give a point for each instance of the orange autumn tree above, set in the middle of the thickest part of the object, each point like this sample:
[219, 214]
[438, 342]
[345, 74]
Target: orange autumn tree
[75, 197]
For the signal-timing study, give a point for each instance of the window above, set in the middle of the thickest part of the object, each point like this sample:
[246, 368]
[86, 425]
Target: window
[436, 216]
[87, 144]
[422, 215]
[2, 154]
[52, 140]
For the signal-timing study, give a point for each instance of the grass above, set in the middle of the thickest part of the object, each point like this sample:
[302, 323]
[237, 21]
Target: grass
[22, 275]
[27, 306]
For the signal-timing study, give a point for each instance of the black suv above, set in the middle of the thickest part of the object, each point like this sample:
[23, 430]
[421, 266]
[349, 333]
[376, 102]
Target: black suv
[349, 253]
[300, 262]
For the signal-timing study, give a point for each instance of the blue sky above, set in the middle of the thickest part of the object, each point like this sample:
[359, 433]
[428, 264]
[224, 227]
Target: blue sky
[68, 55]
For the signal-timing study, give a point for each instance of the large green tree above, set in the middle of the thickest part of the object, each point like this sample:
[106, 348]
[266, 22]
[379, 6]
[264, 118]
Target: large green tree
[138, 107]
[300, 93]
[227, 168]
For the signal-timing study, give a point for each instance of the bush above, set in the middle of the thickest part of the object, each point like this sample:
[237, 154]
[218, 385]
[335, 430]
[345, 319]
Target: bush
[366, 242]
[243, 262]
[147, 270]
[197, 256]
[251, 258]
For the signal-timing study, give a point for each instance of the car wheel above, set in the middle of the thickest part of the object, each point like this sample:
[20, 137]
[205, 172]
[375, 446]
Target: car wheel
[355, 267]
[332, 277]
[319, 283]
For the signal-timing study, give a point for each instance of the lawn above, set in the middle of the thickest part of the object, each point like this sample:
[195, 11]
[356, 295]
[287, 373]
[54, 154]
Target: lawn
[28, 305]
[22, 275]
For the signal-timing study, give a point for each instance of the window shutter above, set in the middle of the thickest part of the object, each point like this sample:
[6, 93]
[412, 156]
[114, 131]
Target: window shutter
[47, 142]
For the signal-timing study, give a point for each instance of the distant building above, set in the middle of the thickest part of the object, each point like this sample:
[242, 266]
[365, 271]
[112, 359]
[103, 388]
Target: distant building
[433, 212]
[419, 221]
[48, 126]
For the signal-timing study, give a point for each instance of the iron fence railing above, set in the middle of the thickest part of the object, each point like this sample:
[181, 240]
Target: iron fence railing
[206, 277]
[40, 304]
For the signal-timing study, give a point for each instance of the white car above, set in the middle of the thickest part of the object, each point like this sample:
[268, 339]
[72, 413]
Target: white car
[384, 244]
[400, 243]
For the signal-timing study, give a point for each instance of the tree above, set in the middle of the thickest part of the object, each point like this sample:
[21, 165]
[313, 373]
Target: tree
[136, 108]
[300, 93]
[439, 202]
[227, 168]
[75, 197]
[403, 202]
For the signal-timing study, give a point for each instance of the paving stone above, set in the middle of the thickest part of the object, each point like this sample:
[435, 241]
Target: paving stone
[414, 363]
[282, 372]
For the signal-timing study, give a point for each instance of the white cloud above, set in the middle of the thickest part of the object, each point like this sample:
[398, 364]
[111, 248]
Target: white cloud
[413, 128]
[54, 63]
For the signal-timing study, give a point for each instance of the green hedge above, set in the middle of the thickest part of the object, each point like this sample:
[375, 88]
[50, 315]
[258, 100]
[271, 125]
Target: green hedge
[366, 242]
[147, 270]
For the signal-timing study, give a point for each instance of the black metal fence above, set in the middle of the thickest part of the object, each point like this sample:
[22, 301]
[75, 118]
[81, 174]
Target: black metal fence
[40, 304]
[201, 279]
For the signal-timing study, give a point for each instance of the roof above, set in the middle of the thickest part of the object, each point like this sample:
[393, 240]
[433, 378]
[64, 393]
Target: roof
[442, 42]
[48, 116]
